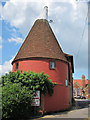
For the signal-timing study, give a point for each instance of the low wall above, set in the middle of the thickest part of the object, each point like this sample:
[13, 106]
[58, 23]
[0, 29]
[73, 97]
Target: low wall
[82, 103]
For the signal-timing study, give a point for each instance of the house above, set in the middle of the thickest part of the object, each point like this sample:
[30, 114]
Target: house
[81, 87]
[42, 52]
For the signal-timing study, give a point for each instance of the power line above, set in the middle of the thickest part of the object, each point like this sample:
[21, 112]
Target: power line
[81, 39]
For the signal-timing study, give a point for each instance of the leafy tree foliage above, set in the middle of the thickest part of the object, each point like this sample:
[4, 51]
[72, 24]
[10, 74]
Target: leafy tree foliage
[17, 92]
[16, 101]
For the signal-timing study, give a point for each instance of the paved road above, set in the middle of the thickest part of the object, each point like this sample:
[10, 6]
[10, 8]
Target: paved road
[80, 114]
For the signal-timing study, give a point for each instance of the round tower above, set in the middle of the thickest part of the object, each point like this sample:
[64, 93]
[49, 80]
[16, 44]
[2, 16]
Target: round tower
[41, 52]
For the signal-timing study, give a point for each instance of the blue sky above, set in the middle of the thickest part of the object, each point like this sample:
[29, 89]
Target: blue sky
[17, 18]
[9, 32]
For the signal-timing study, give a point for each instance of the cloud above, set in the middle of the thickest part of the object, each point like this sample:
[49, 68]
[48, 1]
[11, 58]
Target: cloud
[6, 67]
[17, 40]
[23, 17]
[0, 46]
[4, 0]
[0, 12]
[1, 39]
[69, 19]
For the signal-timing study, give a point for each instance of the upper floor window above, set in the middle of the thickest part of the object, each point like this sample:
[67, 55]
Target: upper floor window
[16, 66]
[51, 64]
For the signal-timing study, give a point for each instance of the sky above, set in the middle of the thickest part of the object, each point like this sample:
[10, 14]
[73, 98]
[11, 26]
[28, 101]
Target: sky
[70, 26]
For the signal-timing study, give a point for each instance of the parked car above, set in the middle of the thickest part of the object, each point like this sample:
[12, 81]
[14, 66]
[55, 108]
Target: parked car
[78, 97]
[83, 97]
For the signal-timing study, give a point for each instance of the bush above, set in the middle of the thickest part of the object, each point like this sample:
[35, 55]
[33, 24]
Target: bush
[73, 101]
[17, 92]
[16, 101]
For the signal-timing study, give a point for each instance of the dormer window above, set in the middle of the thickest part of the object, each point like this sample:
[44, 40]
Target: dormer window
[16, 66]
[51, 64]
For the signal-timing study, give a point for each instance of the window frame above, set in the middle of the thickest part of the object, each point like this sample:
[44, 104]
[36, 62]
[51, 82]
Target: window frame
[16, 66]
[78, 92]
[50, 65]
[74, 91]
[66, 82]
[69, 73]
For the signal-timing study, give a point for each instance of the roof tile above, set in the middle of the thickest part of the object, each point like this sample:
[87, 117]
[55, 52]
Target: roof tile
[40, 42]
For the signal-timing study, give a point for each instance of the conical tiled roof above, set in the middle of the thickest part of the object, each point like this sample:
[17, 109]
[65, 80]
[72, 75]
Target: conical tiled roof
[40, 42]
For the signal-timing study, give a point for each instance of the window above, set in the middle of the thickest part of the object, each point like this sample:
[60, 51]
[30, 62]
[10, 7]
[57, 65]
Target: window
[66, 82]
[16, 66]
[69, 73]
[78, 91]
[51, 64]
[74, 91]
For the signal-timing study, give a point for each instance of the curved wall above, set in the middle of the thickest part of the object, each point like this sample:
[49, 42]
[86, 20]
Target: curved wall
[58, 101]
[60, 98]
[58, 75]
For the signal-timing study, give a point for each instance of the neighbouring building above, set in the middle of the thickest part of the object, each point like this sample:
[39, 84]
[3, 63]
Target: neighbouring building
[42, 52]
[81, 87]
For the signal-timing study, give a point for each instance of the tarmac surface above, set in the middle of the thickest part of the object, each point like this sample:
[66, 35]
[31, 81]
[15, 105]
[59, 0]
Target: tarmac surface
[77, 113]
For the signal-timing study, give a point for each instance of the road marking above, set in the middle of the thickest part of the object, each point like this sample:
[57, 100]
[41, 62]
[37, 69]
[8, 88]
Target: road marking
[49, 116]
[70, 111]
[87, 118]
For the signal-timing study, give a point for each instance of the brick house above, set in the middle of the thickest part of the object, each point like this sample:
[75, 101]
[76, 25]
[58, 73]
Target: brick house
[81, 87]
[42, 52]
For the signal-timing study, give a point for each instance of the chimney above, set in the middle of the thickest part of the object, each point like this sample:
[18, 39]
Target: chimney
[83, 81]
[44, 13]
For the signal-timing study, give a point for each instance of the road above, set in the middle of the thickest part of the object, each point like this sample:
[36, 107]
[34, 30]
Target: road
[80, 114]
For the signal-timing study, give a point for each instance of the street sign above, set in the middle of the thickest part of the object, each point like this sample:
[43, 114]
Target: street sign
[36, 99]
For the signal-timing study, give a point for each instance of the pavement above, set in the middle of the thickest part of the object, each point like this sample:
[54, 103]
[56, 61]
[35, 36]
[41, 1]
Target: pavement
[77, 113]
[82, 100]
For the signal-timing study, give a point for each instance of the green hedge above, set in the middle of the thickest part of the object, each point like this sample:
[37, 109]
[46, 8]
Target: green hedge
[17, 92]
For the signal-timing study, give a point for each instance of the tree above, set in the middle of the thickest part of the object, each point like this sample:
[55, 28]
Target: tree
[17, 92]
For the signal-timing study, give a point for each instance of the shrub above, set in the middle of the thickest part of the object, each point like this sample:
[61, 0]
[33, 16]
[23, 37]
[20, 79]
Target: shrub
[17, 92]
[16, 101]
